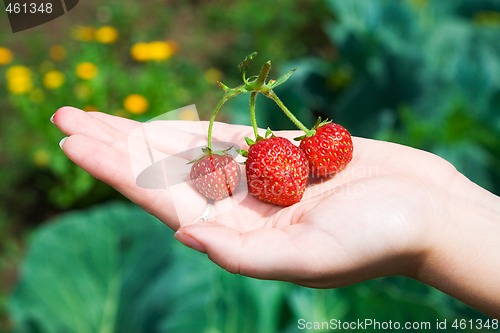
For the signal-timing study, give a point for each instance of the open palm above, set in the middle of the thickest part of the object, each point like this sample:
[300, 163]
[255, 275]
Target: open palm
[369, 220]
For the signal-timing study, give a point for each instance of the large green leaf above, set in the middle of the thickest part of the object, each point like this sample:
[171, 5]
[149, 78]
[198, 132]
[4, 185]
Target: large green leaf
[104, 270]
[115, 268]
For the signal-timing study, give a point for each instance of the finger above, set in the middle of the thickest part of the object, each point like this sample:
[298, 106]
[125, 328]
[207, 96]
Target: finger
[114, 168]
[165, 137]
[266, 253]
[126, 135]
[106, 164]
[124, 125]
[71, 121]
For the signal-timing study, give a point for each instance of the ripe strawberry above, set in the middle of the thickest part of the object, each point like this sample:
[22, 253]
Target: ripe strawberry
[329, 150]
[276, 171]
[215, 176]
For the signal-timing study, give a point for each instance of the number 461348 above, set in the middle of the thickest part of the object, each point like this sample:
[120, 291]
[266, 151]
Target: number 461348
[29, 8]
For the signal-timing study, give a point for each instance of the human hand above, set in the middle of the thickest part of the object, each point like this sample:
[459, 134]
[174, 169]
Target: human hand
[367, 221]
[394, 210]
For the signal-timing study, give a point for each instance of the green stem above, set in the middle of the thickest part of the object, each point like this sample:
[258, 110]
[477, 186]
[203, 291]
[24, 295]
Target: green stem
[228, 94]
[224, 99]
[264, 72]
[271, 94]
[253, 97]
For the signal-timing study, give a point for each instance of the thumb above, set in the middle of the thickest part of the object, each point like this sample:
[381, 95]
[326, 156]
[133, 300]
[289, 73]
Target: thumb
[266, 253]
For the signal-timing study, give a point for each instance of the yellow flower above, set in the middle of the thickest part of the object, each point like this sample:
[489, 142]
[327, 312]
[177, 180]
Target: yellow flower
[17, 70]
[53, 79]
[6, 56]
[19, 85]
[153, 51]
[213, 75]
[41, 158]
[136, 104]
[83, 33]
[106, 34]
[57, 52]
[188, 114]
[19, 79]
[160, 51]
[139, 51]
[86, 70]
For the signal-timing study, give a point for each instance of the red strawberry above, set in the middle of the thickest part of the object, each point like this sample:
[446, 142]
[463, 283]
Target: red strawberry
[276, 171]
[215, 176]
[329, 150]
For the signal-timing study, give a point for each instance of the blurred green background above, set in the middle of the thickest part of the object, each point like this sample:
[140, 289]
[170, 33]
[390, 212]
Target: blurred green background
[77, 257]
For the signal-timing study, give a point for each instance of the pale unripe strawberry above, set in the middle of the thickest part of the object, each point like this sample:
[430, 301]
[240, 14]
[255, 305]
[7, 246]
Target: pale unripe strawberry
[215, 176]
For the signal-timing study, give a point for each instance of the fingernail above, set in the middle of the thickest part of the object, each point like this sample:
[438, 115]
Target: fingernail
[190, 241]
[62, 142]
[52, 118]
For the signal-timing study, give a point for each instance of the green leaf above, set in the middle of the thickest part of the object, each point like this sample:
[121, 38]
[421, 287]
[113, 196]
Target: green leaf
[110, 269]
[223, 86]
[317, 305]
[243, 66]
[243, 152]
[282, 79]
[249, 141]
[299, 138]
[116, 268]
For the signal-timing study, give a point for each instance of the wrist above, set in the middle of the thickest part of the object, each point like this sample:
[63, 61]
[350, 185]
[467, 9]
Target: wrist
[461, 257]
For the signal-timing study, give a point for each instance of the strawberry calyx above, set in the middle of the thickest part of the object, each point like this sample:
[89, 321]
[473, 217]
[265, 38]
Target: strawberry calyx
[319, 123]
[210, 152]
[269, 134]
